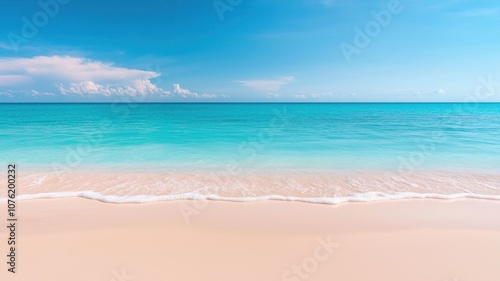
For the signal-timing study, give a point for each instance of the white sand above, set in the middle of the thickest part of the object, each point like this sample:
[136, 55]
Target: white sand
[425, 240]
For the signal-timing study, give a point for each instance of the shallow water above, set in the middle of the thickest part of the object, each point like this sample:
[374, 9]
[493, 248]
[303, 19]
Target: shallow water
[293, 150]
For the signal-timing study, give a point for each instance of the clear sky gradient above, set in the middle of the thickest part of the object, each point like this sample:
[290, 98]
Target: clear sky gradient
[243, 50]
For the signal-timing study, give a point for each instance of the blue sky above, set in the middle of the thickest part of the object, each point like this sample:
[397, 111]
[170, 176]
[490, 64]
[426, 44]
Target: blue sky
[242, 50]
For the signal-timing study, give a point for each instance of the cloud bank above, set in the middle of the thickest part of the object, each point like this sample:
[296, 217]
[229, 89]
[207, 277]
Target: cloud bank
[267, 85]
[70, 69]
[81, 77]
[89, 88]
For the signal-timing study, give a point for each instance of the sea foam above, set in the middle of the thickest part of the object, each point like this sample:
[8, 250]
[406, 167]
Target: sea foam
[358, 197]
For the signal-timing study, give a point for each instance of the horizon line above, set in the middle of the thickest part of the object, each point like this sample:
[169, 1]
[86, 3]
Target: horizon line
[261, 102]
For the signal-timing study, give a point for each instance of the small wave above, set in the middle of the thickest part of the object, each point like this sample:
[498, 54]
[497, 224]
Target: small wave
[358, 197]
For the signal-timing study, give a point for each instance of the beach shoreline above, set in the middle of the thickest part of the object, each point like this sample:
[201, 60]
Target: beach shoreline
[306, 186]
[413, 239]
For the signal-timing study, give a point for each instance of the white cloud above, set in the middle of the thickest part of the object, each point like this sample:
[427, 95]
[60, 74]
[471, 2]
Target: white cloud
[350, 95]
[419, 93]
[70, 69]
[184, 93]
[6, 94]
[180, 91]
[136, 88]
[273, 96]
[267, 85]
[33, 93]
[314, 96]
[439, 91]
[37, 93]
[322, 95]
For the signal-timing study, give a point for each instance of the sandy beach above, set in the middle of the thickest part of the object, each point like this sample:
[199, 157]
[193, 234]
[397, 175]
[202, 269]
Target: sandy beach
[81, 239]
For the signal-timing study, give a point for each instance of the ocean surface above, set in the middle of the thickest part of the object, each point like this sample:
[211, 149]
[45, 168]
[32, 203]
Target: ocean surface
[313, 151]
